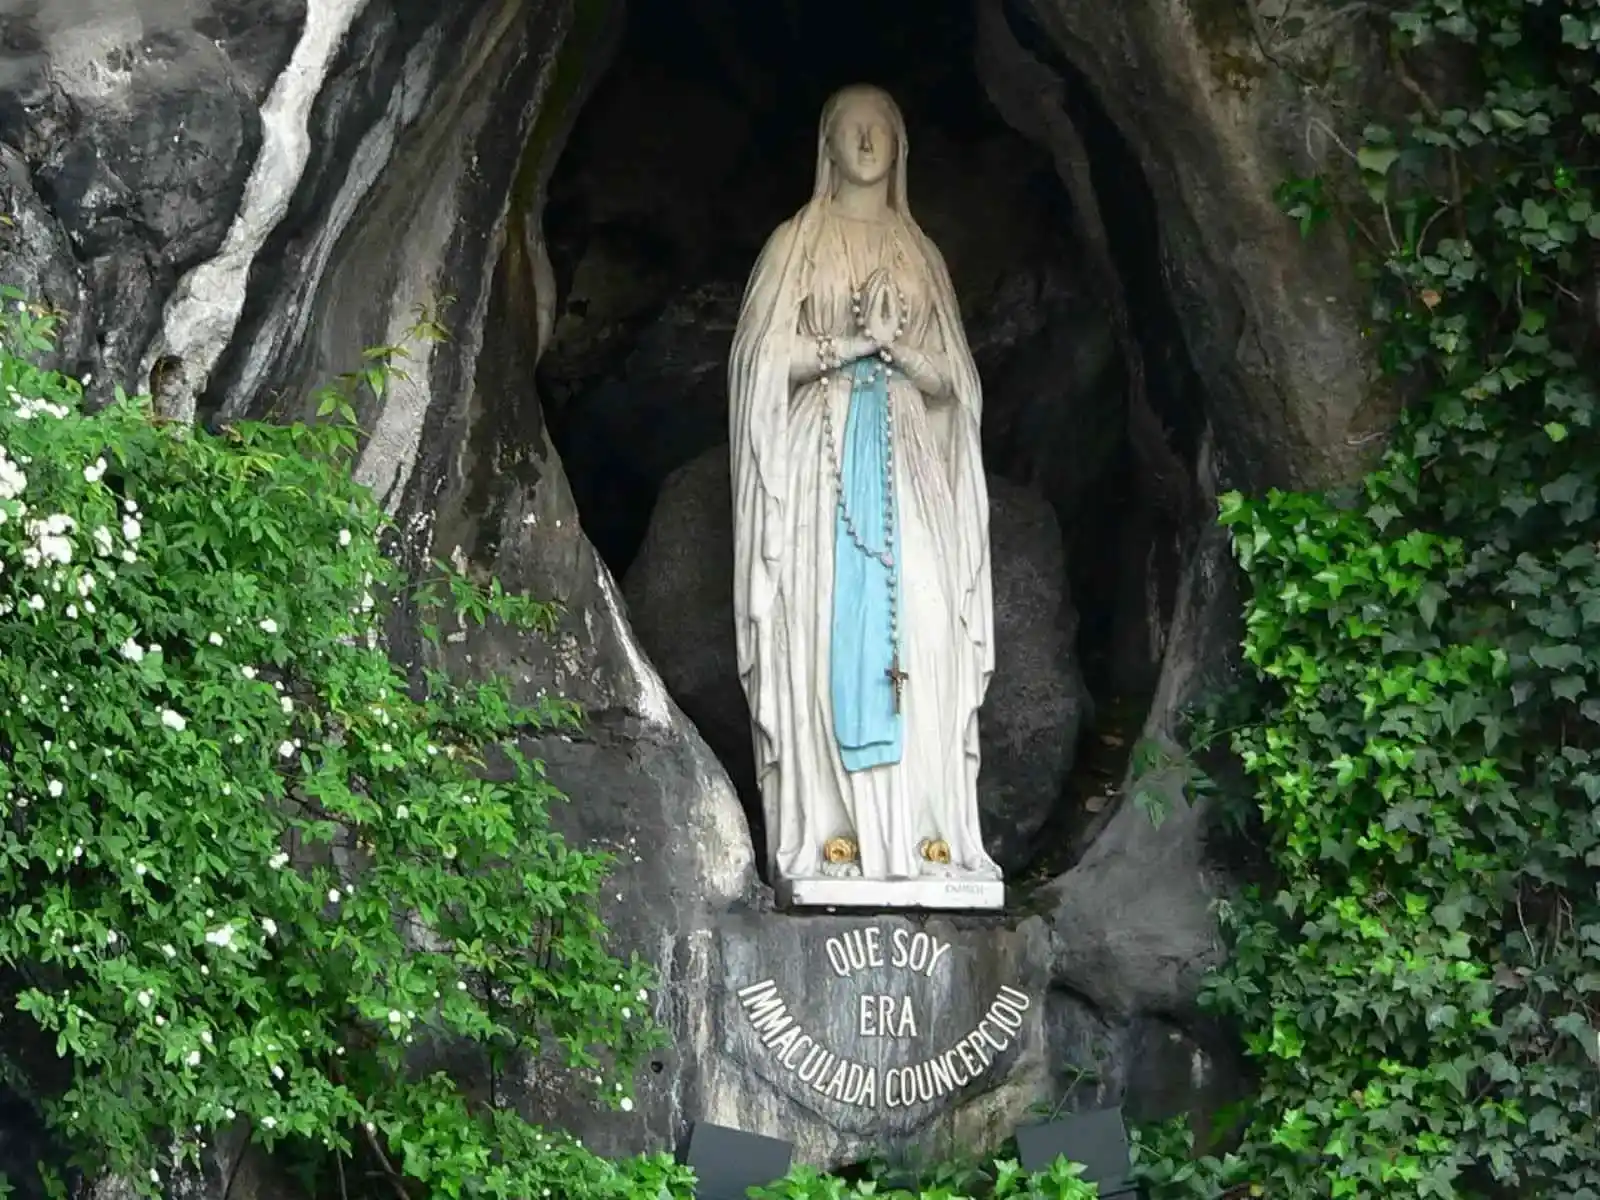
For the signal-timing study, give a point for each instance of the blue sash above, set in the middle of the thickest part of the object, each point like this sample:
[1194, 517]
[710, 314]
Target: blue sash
[865, 722]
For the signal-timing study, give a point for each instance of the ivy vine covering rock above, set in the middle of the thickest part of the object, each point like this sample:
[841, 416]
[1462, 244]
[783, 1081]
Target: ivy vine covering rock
[1419, 981]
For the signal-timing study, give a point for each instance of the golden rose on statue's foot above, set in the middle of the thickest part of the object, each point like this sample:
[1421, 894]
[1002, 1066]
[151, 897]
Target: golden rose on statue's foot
[839, 850]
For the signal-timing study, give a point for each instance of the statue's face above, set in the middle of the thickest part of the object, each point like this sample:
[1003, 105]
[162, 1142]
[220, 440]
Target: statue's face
[861, 142]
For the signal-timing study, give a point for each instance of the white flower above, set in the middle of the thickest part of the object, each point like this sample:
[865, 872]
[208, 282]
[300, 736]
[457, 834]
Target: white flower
[172, 720]
[269, 1122]
[131, 529]
[248, 672]
[278, 861]
[155, 1176]
[344, 537]
[394, 1017]
[36, 602]
[85, 584]
[95, 470]
[72, 612]
[139, 869]
[205, 1036]
[627, 1104]
[644, 996]
[268, 625]
[270, 926]
[627, 1014]
[12, 479]
[144, 999]
[333, 895]
[286, 749]
[287, 704]
[222, 936]
[214, 638]
[194, 1058]
[102, 539]
[111, 937]
[131, 650]
[402, 811]
[277, 1071]
[55, 788]
[169, 950]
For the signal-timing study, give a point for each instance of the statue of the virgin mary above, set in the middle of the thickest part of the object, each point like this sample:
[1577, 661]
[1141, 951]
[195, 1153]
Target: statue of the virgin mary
[861, 530]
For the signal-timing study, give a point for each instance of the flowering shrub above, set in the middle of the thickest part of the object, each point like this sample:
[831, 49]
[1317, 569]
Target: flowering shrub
[251, 872]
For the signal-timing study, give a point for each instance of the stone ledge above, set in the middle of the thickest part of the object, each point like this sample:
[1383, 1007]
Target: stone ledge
[960, 895]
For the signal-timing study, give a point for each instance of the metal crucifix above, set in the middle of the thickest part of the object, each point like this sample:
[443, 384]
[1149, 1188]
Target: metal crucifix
[897, 680]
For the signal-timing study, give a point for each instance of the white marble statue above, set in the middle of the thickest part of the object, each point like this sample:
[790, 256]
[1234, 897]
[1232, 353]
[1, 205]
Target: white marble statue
[861, 528]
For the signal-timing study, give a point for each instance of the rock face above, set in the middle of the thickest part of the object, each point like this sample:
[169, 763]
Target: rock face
[1272, 321]
[680, 602]
[230, 199]
[141, 124]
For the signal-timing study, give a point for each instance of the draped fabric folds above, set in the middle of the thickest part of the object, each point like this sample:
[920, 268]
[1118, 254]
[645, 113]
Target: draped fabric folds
[825, 772]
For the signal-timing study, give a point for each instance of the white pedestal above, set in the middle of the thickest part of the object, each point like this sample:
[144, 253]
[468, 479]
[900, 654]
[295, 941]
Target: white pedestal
[968, 895]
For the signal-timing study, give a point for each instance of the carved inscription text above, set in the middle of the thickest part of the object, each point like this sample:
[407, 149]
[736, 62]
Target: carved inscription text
[880, 1014]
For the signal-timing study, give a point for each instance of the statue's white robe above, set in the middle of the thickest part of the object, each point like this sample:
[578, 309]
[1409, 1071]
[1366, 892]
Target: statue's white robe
[785, 507]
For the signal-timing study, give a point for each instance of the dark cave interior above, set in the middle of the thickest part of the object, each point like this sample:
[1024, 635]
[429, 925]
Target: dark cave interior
[700, 139]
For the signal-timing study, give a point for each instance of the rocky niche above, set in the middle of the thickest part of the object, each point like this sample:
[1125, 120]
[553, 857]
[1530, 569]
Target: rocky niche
[232, 199]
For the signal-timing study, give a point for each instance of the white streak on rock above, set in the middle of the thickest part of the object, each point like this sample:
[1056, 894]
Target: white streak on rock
[204, 308]
[291, 319]
[652, 704]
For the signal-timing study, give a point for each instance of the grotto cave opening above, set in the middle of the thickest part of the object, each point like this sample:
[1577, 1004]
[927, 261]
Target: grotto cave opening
[695, 144]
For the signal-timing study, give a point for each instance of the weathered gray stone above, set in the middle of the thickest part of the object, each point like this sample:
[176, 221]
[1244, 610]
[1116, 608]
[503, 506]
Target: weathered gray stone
[1273, 321]
[36, 258]
[1132, 923]
[139, 121]
[766, 1083]
[680, 599]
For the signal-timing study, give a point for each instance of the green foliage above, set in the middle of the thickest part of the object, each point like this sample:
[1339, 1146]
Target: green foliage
[1420, 987]
[255, 875]
[252, 873]
[1004, 1179]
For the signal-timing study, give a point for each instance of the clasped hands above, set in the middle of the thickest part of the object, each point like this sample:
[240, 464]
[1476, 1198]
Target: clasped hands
[880, 319]
[880, 322]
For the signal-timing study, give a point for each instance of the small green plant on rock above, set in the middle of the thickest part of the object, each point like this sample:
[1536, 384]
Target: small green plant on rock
[1004, 1179]
[252, 873]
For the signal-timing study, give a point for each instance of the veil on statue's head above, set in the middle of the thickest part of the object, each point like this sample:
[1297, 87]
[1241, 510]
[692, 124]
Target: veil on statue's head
[823, 188]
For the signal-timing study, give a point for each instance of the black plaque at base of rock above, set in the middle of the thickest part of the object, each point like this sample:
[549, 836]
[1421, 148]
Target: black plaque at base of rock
[1098, 1140]
[728, 1162]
